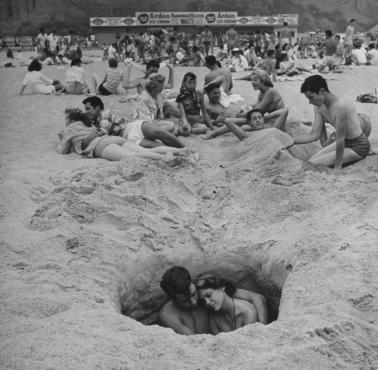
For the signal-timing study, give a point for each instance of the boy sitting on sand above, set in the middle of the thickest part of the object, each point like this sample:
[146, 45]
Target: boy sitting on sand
[255, 121]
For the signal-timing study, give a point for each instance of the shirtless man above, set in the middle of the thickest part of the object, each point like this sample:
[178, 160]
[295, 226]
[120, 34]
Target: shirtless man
[151, 67]
[183, 314]
[221, 116]
[218, 74]
[351, 143]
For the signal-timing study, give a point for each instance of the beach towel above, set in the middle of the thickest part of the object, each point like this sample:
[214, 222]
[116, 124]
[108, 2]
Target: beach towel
[226, 100]
[367, 98]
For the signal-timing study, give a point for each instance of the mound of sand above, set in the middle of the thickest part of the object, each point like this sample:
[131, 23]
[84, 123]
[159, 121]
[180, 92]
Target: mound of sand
[85, 242]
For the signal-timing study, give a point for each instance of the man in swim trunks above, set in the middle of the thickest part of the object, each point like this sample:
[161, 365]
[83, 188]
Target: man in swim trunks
[218, 74]
[152, 66]
[351, 144]
[183, 314]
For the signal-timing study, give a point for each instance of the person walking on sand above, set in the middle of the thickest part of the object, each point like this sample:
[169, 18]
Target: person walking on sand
[351, 144]
[348, 38]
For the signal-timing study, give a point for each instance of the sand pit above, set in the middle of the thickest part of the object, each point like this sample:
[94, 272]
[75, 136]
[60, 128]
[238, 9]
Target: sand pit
[85, 242]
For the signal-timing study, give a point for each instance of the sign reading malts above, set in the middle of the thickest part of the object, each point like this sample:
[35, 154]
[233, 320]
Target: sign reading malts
[186, 18]
[166, 19]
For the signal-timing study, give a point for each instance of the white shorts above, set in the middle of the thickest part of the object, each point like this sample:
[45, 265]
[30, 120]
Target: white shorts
[133, 132]
[328, 61]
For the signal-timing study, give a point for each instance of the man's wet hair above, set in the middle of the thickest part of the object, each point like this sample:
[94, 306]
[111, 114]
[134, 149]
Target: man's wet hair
[153, 63]
[176, 280]
[210, 87]
[94, 101]
[35, 65]
[314, 84]
[328, 33]
[210, 60]
[352, 20]
[249, 113]
[113, 63]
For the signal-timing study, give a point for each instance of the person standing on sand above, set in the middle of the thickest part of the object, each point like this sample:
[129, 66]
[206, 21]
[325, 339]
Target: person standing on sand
[348, 38]
[183, 314]
[351, 144]
[206, 40]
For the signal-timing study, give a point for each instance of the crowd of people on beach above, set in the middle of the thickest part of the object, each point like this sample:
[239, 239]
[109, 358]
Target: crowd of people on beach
[161, 115]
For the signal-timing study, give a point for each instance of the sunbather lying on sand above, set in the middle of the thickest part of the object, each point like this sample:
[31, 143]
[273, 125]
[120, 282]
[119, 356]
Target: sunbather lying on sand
[84, 137]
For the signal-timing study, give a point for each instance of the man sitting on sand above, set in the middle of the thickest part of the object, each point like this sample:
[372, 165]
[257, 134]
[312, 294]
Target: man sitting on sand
[183, 314]
[147, 132]
[218, 74]
[351, 144]
[152, 67]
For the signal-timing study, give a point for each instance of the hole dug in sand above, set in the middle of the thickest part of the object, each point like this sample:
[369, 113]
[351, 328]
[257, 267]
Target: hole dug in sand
[141, 297]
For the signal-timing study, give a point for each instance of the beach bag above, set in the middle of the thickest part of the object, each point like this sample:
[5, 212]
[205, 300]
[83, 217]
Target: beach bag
[367, 98]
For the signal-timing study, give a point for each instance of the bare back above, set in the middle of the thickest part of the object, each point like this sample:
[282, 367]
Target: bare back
[343, 110]
[224, 74]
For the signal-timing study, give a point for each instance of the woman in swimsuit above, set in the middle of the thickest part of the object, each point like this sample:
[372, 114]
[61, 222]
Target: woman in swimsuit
[83, 137]
[226, 313]
[269, 99]
[191, 104]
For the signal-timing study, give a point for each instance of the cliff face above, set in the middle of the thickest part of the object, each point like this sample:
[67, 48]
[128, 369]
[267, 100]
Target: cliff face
[25, 17]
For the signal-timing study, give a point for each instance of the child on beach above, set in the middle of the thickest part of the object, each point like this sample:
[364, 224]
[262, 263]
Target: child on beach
[75, 79]
[113, 78]
[37, 82]
[190, 108]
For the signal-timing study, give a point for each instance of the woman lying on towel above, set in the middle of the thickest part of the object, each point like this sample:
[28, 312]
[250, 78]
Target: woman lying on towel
[85, 138]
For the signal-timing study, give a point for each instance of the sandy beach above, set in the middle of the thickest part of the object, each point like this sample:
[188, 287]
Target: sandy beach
[84, 242]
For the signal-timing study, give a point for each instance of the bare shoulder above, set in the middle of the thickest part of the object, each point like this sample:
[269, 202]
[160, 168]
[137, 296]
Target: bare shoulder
[246, 310]
[169, 311]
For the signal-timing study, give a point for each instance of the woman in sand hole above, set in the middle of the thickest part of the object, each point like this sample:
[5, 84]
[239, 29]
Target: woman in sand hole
[226, 313]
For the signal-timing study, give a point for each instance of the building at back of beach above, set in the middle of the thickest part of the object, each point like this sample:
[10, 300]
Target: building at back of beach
[108, 29]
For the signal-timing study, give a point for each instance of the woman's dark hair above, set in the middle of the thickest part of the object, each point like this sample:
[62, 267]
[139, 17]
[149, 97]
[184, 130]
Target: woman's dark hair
[113, 63]
[75, 114]
[185, 92]
[35, 65]
[176, 280]
[214, 281]
[314, 84]
[153, 63]
[75, 62]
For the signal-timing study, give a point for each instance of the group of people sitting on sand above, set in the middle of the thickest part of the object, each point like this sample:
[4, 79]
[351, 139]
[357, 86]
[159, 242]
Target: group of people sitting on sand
[158, 121]
[209, 304]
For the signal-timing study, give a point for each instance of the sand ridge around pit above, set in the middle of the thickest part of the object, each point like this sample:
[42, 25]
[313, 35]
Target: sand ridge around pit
[84, 239]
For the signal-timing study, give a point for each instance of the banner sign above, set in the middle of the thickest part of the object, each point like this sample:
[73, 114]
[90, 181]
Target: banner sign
[186, 18]
[112, 22]
[165, 19]
[277, 20]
